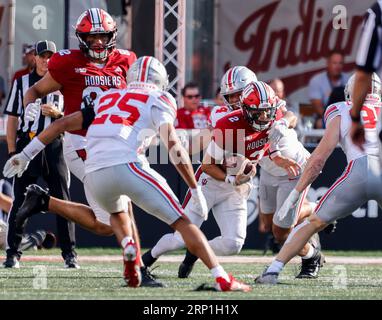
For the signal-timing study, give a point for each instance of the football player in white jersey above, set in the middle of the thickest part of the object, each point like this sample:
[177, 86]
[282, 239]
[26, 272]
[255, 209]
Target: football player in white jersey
[125, 123]
[227, 202]
[360, 182]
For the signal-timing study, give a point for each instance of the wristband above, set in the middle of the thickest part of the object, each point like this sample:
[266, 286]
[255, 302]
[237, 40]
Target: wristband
[33, 148]
[355, 118]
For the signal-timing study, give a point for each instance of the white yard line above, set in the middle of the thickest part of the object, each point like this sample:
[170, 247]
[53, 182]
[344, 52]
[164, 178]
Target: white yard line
[229, 259]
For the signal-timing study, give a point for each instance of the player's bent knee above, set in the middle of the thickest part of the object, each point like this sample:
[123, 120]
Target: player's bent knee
[280, 234]
[227, 247]
[317, 222]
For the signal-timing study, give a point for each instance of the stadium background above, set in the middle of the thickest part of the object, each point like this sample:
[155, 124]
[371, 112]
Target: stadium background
[267, 36]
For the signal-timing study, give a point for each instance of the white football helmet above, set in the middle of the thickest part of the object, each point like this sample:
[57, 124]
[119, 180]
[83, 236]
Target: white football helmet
[233, 81]
[373, 95]
[150, 70]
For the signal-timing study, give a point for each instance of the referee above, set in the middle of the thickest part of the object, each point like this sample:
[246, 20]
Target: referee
[50, 164]
[368, 60]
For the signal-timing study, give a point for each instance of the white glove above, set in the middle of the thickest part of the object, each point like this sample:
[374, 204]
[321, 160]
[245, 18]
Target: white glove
[278, 130]
[288, 204]
[32, 110]
[199, 202]
[16, 165]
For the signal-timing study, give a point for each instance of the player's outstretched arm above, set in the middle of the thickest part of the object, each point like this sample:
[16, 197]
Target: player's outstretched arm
[178, 155]
[210, 167]
[314, 165]
[40, 89]
[319, 156]
[19, 162]
[181, 160]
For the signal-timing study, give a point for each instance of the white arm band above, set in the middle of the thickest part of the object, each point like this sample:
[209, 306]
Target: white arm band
[34, 148]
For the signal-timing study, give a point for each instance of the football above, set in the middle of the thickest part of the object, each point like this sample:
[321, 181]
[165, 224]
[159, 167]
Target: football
[248, 168]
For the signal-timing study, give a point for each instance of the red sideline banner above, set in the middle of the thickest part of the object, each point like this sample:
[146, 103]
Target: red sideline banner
[287, 39]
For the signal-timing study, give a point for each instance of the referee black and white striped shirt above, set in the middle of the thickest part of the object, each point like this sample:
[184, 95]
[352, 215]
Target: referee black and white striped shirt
[14, 106]
[369, 55]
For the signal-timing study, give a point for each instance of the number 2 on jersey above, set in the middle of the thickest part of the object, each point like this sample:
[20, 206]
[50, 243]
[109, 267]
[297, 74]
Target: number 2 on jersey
[115, 99]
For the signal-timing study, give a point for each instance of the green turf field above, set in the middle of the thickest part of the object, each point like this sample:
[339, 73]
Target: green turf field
[102, 280]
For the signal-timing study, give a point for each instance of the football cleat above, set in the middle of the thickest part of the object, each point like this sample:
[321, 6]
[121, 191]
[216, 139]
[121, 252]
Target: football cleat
[132, 273]
[267, 278]
[311, 267]
[185, 270]
[11, 262]
[148, 280]
[70, 261]
[231, 285]
[36, 201]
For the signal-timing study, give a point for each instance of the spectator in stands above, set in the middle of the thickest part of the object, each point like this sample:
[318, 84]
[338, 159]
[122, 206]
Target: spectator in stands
[28, 61]
[192, 115]
[218, 100]
[278, 86]
[322, 84]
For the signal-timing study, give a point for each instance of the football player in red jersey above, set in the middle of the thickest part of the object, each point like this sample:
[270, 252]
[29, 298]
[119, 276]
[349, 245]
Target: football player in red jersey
[97, 66]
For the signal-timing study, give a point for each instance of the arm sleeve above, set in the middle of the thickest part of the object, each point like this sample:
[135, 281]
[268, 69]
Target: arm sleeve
[369, 50]
[88, 115]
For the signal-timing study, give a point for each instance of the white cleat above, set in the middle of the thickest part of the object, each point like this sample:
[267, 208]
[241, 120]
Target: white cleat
[270, 278]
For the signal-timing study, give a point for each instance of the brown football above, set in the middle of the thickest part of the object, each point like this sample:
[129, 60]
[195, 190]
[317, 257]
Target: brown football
[248, 168]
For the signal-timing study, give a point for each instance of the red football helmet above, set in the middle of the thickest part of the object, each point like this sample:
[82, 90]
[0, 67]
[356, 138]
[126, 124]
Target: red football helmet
[94, 22]
[259, 104]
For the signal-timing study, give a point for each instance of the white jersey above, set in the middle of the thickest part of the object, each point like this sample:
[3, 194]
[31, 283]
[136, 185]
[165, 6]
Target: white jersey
[289, 147]
[369, 117]
[126, 122]
[217, 113]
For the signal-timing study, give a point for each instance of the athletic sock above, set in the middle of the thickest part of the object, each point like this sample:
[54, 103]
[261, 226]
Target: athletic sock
[275, 267]
[218, 272]
[190, 259]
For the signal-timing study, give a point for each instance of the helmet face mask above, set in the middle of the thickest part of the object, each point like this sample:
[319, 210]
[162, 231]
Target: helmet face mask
[148, 70]
[233, 82]
[96, 22]
[259, 105]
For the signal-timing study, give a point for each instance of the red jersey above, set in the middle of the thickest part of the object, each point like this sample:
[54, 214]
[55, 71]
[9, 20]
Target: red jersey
[197, 119]
[80, 77]
[233, 134]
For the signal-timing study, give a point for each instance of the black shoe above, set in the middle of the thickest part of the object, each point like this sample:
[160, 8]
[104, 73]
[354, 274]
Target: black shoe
[11, 262]
[271, 244]
[36, 201]
[148, 280]
[148, 259]
[311, 267]
[184, 270]
[71, 261]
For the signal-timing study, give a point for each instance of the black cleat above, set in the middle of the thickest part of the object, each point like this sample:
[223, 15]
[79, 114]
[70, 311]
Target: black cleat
[11, 262]
[311, 267]
[70, 261]
[36, 201]
[148, 280]
[184, 270]
[271, 244]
